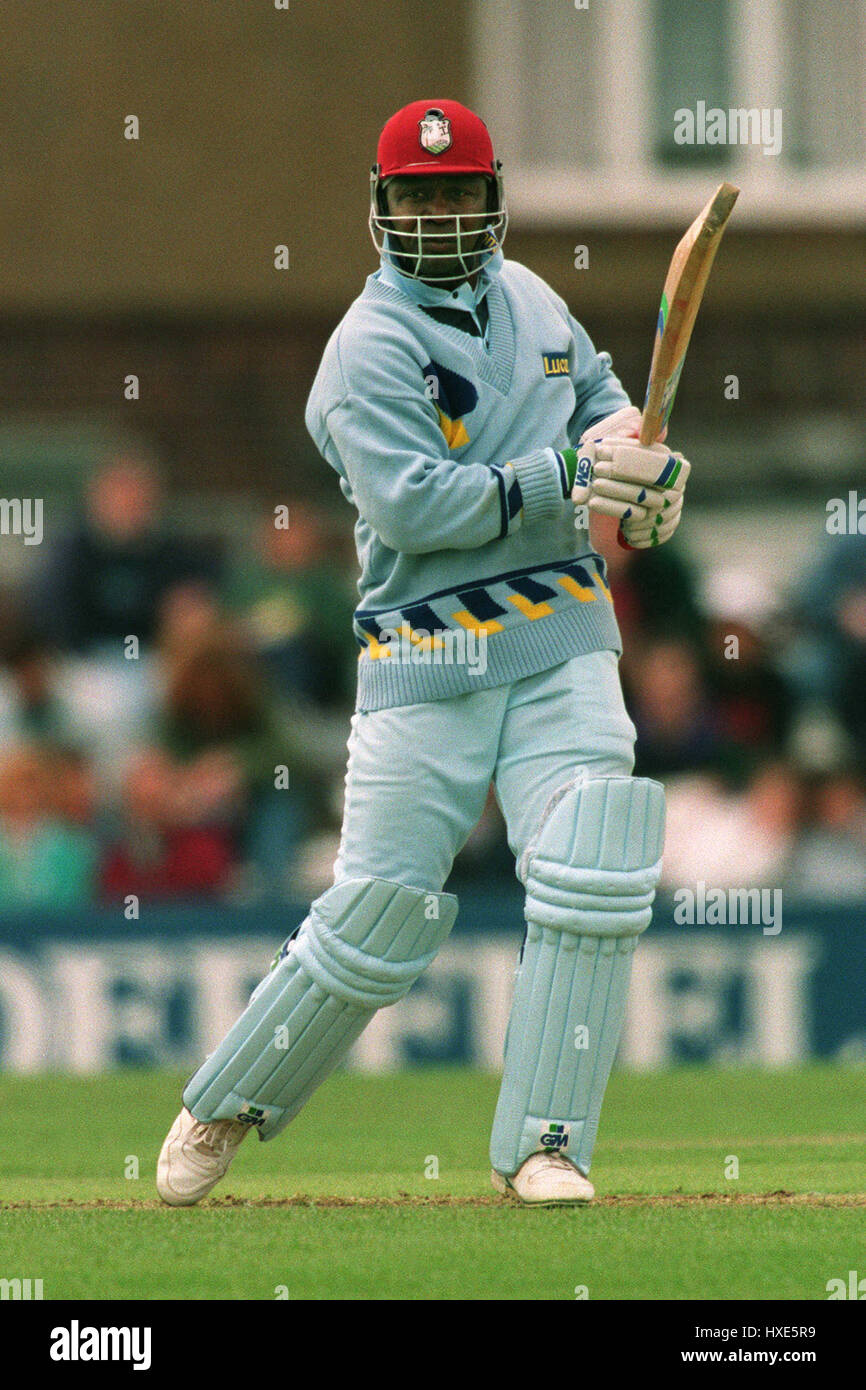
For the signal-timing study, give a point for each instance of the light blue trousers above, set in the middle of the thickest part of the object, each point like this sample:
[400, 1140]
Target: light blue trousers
[416, 784]
[418, 775]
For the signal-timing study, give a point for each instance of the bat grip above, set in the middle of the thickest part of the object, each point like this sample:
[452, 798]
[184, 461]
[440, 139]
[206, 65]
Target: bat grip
[645, 438]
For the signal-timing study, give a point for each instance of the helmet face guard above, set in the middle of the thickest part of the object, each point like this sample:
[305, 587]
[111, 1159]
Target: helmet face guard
[400, 241]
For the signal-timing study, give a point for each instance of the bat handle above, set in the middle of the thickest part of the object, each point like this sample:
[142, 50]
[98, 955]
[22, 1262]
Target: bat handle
[645, 438]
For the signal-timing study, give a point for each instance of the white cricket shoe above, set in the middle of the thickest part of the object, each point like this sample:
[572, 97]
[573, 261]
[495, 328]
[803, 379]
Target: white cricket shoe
[545, 1180]
[194, 1157]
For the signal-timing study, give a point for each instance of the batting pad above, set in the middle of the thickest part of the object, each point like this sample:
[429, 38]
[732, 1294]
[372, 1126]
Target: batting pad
[363, 945]
[590, 881]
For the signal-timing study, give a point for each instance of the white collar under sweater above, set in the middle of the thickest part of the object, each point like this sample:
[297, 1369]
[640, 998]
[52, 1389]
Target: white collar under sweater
[431, 296]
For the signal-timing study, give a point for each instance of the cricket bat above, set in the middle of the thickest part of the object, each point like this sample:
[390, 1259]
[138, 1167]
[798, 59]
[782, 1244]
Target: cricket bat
[681, 299]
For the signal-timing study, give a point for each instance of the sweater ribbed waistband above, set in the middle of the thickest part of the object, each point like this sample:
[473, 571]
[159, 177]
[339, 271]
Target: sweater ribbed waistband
[476, 660]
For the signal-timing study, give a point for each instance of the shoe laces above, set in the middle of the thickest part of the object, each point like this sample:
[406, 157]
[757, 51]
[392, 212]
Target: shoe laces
[216, 1136]
[557, 1161]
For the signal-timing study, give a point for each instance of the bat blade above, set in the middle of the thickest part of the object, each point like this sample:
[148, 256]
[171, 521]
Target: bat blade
[681, 297]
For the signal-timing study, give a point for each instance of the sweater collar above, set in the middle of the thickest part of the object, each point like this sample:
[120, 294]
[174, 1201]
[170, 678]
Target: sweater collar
[463, 297]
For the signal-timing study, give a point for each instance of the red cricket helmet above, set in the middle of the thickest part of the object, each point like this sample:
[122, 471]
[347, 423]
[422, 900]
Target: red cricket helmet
[437, 137]
[440, 136]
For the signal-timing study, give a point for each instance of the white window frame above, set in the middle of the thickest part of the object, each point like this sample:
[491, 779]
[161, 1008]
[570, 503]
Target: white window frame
[628, 187]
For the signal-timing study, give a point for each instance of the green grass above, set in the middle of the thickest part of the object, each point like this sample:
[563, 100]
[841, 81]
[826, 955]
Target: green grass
[340, 1205]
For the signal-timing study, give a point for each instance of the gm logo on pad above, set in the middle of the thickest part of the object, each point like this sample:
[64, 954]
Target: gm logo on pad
[251, 1115]
[554, 365]
[556, 1137]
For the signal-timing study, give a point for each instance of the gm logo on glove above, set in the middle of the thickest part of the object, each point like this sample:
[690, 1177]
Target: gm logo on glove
[583, 473]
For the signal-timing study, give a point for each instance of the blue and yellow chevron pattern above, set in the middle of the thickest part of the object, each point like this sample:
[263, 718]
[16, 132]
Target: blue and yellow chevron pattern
[454, 397]
[501, 603]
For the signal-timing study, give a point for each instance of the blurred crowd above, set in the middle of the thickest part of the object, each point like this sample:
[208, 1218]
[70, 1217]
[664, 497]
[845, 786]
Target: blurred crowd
[174, 715]
[748, 705]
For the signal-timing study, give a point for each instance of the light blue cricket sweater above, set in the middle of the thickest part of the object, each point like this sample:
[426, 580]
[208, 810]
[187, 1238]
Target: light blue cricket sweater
[446, 445]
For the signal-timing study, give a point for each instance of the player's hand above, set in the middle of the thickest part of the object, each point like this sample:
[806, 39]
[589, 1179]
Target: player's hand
[640, 485]
[656, 529]
[623, 424]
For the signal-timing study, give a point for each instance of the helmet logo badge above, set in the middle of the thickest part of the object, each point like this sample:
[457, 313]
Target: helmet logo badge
[434, 132]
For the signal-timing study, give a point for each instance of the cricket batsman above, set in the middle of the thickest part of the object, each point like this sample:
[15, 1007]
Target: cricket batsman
[473, 427]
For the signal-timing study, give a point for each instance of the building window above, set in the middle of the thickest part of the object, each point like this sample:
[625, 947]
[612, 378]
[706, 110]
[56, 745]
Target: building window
[691, 62]
[583, 103]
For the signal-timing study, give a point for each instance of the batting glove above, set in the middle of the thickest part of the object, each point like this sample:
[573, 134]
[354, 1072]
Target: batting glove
[641, 485]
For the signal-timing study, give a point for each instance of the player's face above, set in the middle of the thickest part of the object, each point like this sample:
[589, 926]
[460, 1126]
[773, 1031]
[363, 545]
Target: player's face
[440, 201]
